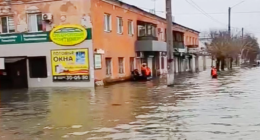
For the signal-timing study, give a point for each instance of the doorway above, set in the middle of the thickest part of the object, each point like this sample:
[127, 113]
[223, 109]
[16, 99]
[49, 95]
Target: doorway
[150, 64]
[14, 76]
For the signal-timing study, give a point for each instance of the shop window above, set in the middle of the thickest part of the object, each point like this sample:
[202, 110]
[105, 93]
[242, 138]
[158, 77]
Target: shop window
[35, 22]
[119, 25]
[132, 63]
[108, 66]
[121, 65]
[107, 23]
[7, 25]
[38, 67]
[130, 27]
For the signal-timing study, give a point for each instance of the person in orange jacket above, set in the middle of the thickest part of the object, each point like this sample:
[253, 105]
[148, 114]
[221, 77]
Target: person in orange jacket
[143, 69]
[146, 71]
[214, 73]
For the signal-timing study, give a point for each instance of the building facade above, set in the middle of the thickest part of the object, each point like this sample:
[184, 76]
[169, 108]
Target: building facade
[31, 58]
[119, 38]
[133, 36]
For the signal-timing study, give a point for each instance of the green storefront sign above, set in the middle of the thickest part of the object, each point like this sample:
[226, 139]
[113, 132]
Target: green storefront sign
[24, 38]
[39, 37]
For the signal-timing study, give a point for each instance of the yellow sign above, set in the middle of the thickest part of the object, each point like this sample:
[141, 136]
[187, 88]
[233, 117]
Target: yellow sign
[68, 35]
[70, 65]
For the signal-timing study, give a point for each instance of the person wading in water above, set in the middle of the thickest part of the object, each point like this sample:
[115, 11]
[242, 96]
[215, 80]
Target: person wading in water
[214, 73]
[145, 70]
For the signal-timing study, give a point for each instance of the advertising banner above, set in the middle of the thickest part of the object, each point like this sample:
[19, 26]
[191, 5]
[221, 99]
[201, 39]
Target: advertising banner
[68, 35]
[70, 65]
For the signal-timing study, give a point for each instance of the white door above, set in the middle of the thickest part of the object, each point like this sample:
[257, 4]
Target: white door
[150, 64]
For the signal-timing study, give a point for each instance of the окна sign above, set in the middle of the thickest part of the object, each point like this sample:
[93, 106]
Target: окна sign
[70, 65]
[68, 35]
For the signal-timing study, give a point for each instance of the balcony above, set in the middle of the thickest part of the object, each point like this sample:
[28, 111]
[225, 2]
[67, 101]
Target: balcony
[150, 45]
[178, 45]
[146, 31]
[147, 40]
[193, 46]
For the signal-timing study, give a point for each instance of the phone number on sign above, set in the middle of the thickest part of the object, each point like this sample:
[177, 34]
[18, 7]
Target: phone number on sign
[77, 77]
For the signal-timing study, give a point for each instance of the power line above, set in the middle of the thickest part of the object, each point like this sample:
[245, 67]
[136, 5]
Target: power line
[200, 10]
[238, 3]
[193, 4]
[220, 13]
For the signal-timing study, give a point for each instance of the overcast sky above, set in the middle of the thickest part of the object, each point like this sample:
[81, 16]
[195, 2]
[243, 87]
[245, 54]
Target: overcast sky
[245, 14]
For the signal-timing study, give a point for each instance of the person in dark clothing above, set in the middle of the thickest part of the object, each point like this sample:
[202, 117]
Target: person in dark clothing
[135, 74]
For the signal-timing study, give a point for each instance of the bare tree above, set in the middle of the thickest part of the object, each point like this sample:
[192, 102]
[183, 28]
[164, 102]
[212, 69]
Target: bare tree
[225, 46]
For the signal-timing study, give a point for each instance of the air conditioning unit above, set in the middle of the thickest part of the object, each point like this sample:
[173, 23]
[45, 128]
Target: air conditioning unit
[47, 16]
[139, 55]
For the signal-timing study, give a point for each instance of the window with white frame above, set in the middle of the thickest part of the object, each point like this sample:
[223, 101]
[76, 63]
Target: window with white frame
[121, 65]
[162, 34]
[119, 25]
[107, 23]
[35, 22]
[7, 24]
[108, 66]
[130, 27]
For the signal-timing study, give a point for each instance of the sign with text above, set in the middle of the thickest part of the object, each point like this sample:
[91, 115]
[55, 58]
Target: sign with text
[24, 38]
[68, 35]
[70, 65]
[38, 37]
[98, 61]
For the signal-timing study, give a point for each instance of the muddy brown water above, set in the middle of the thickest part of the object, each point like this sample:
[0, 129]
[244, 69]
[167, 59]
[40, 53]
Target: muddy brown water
[197, 108]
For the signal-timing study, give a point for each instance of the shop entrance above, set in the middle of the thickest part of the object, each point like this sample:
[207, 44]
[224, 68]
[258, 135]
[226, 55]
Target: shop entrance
[14, 76]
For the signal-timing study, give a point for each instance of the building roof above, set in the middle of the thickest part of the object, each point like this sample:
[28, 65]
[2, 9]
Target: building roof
[151, 14]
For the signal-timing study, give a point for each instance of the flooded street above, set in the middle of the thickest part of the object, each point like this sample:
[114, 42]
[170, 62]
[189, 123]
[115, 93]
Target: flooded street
[197, 108]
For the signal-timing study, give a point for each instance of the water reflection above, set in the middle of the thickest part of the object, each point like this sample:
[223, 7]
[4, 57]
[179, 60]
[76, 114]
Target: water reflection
[198, 107]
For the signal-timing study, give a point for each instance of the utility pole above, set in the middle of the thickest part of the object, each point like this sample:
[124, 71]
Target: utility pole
[169, 39]
[242, 33]
[229, 20]
[154, 6]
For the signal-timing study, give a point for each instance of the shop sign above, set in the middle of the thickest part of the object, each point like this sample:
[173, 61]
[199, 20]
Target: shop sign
[68, 35]
[39, 37]
[70, 65]
[98, 61]
[24, 38]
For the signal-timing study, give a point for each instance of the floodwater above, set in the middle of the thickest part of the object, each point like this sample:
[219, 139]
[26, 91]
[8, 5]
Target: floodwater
[197, 108]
